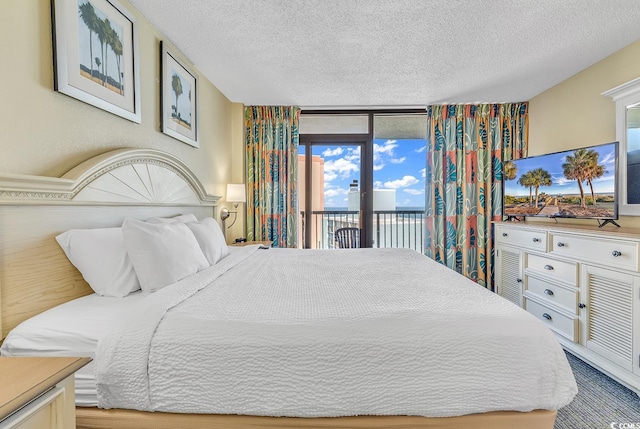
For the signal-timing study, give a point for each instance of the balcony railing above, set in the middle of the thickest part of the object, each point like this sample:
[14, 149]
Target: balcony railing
[391, 228]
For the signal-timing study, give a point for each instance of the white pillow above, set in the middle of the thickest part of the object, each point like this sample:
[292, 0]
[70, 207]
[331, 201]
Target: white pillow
[162, 253]
[101, 258]
[180, 218]
[210, 238]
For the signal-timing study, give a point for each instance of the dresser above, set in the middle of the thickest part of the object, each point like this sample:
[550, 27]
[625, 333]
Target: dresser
[38, 392]
[583, 282]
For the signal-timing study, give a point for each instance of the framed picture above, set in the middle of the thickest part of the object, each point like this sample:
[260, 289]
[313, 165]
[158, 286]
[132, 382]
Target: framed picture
[95, 44]
[179, 98]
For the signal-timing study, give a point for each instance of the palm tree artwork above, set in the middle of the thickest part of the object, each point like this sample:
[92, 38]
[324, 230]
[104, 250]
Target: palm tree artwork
[96, 28]
[176, 85]
[181, 113]
[88, 16]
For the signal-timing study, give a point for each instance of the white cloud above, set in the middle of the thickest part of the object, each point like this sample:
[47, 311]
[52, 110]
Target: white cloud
[380, 152]
[339, 168]
[422, 149]
[406, 202]
[398, 160]
[353, 154]
[335, 192]
[423, 173]
[609, 158]
[377, 184]
[560, 180]
[386, 148]
[401, 183]
[411, 191]
[328, 177]
[333, 152]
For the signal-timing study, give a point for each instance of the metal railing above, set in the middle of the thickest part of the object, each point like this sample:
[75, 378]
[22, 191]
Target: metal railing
[391, 228]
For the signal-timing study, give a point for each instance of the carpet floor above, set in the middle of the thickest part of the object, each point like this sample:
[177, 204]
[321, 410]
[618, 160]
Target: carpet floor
[600, 402]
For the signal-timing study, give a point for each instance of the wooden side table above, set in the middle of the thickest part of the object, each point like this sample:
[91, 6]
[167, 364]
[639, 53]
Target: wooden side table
[38, 392]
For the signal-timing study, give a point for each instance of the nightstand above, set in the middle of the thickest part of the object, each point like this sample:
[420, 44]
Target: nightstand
[38, 392]
[249, 243]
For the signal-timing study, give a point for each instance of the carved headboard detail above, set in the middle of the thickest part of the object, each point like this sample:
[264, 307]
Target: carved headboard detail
[35, 275]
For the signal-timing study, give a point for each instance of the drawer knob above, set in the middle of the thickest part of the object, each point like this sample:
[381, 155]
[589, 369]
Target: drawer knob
[548, 292]
[560, 244]
[616, 253]
[519, 280]
[548, 267]
[581, 305]
[536, 240]
[547, 316]
[504, 234]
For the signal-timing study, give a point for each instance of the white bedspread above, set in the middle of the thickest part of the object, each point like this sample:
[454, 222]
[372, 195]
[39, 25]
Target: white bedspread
[286, 332]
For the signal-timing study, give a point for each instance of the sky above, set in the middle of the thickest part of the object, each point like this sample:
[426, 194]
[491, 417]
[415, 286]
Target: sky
[398, 164]
[561, 185]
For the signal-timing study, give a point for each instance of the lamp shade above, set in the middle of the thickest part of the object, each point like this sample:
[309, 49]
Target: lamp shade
[236, 193]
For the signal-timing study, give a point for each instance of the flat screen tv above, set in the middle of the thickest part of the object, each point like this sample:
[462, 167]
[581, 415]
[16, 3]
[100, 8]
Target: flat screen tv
[578, 183]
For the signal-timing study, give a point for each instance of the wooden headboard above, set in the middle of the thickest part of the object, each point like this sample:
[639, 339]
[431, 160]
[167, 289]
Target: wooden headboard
[35, 274]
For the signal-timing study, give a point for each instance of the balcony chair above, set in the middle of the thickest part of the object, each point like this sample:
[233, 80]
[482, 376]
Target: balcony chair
[348, 238]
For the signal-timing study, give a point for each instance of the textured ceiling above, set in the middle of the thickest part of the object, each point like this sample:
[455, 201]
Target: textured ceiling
[400, 53]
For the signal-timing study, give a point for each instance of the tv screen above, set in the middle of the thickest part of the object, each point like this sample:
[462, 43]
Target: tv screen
[577, 183]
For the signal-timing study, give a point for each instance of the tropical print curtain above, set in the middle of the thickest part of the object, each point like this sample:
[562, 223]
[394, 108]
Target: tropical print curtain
[466, 147]
[271, 136]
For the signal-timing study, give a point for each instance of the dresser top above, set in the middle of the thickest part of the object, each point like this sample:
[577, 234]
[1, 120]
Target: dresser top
[606, 231]
[26, 378]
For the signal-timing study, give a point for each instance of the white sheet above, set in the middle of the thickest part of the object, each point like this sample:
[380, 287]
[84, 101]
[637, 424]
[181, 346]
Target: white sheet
[331, 333]
[71, 329]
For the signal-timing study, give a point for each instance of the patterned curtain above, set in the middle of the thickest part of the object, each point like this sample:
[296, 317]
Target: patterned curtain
[465, 150]
[271, 136]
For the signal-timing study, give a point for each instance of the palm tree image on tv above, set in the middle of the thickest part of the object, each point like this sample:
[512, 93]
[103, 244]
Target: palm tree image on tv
[578, 183]
[95, 29]
[510, 170]
[180, 112]
[583, 166]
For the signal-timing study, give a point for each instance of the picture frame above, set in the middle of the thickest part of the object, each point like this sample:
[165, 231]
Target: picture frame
[179, 98]
[95, 46]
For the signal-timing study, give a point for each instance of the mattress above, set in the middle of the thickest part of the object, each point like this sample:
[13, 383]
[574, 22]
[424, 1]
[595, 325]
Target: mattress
[71, 329]
[281, 328]
[312, 333]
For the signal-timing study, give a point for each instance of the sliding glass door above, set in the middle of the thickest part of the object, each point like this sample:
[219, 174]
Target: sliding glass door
[364, 171]
[330, 196]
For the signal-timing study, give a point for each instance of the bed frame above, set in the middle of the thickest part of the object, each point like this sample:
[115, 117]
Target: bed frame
[35, 275]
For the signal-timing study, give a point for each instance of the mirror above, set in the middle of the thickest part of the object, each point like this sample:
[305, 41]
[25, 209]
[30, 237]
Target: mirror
[627, 99]
[633, 154]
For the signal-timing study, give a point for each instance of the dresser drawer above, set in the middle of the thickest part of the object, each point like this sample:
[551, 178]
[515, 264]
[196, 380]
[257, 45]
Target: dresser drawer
[563, 271]
[563, 325]
[609, 252]
[545, 291]
[534, 240]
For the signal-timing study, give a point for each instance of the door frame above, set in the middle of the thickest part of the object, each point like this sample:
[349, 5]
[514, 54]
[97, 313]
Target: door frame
[366, 179]
[366, 162]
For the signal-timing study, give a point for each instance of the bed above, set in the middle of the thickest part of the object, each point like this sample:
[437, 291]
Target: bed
[380, 350]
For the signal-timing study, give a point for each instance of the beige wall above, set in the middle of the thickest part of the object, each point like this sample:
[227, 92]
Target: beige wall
[47, 133]
[574, 113]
